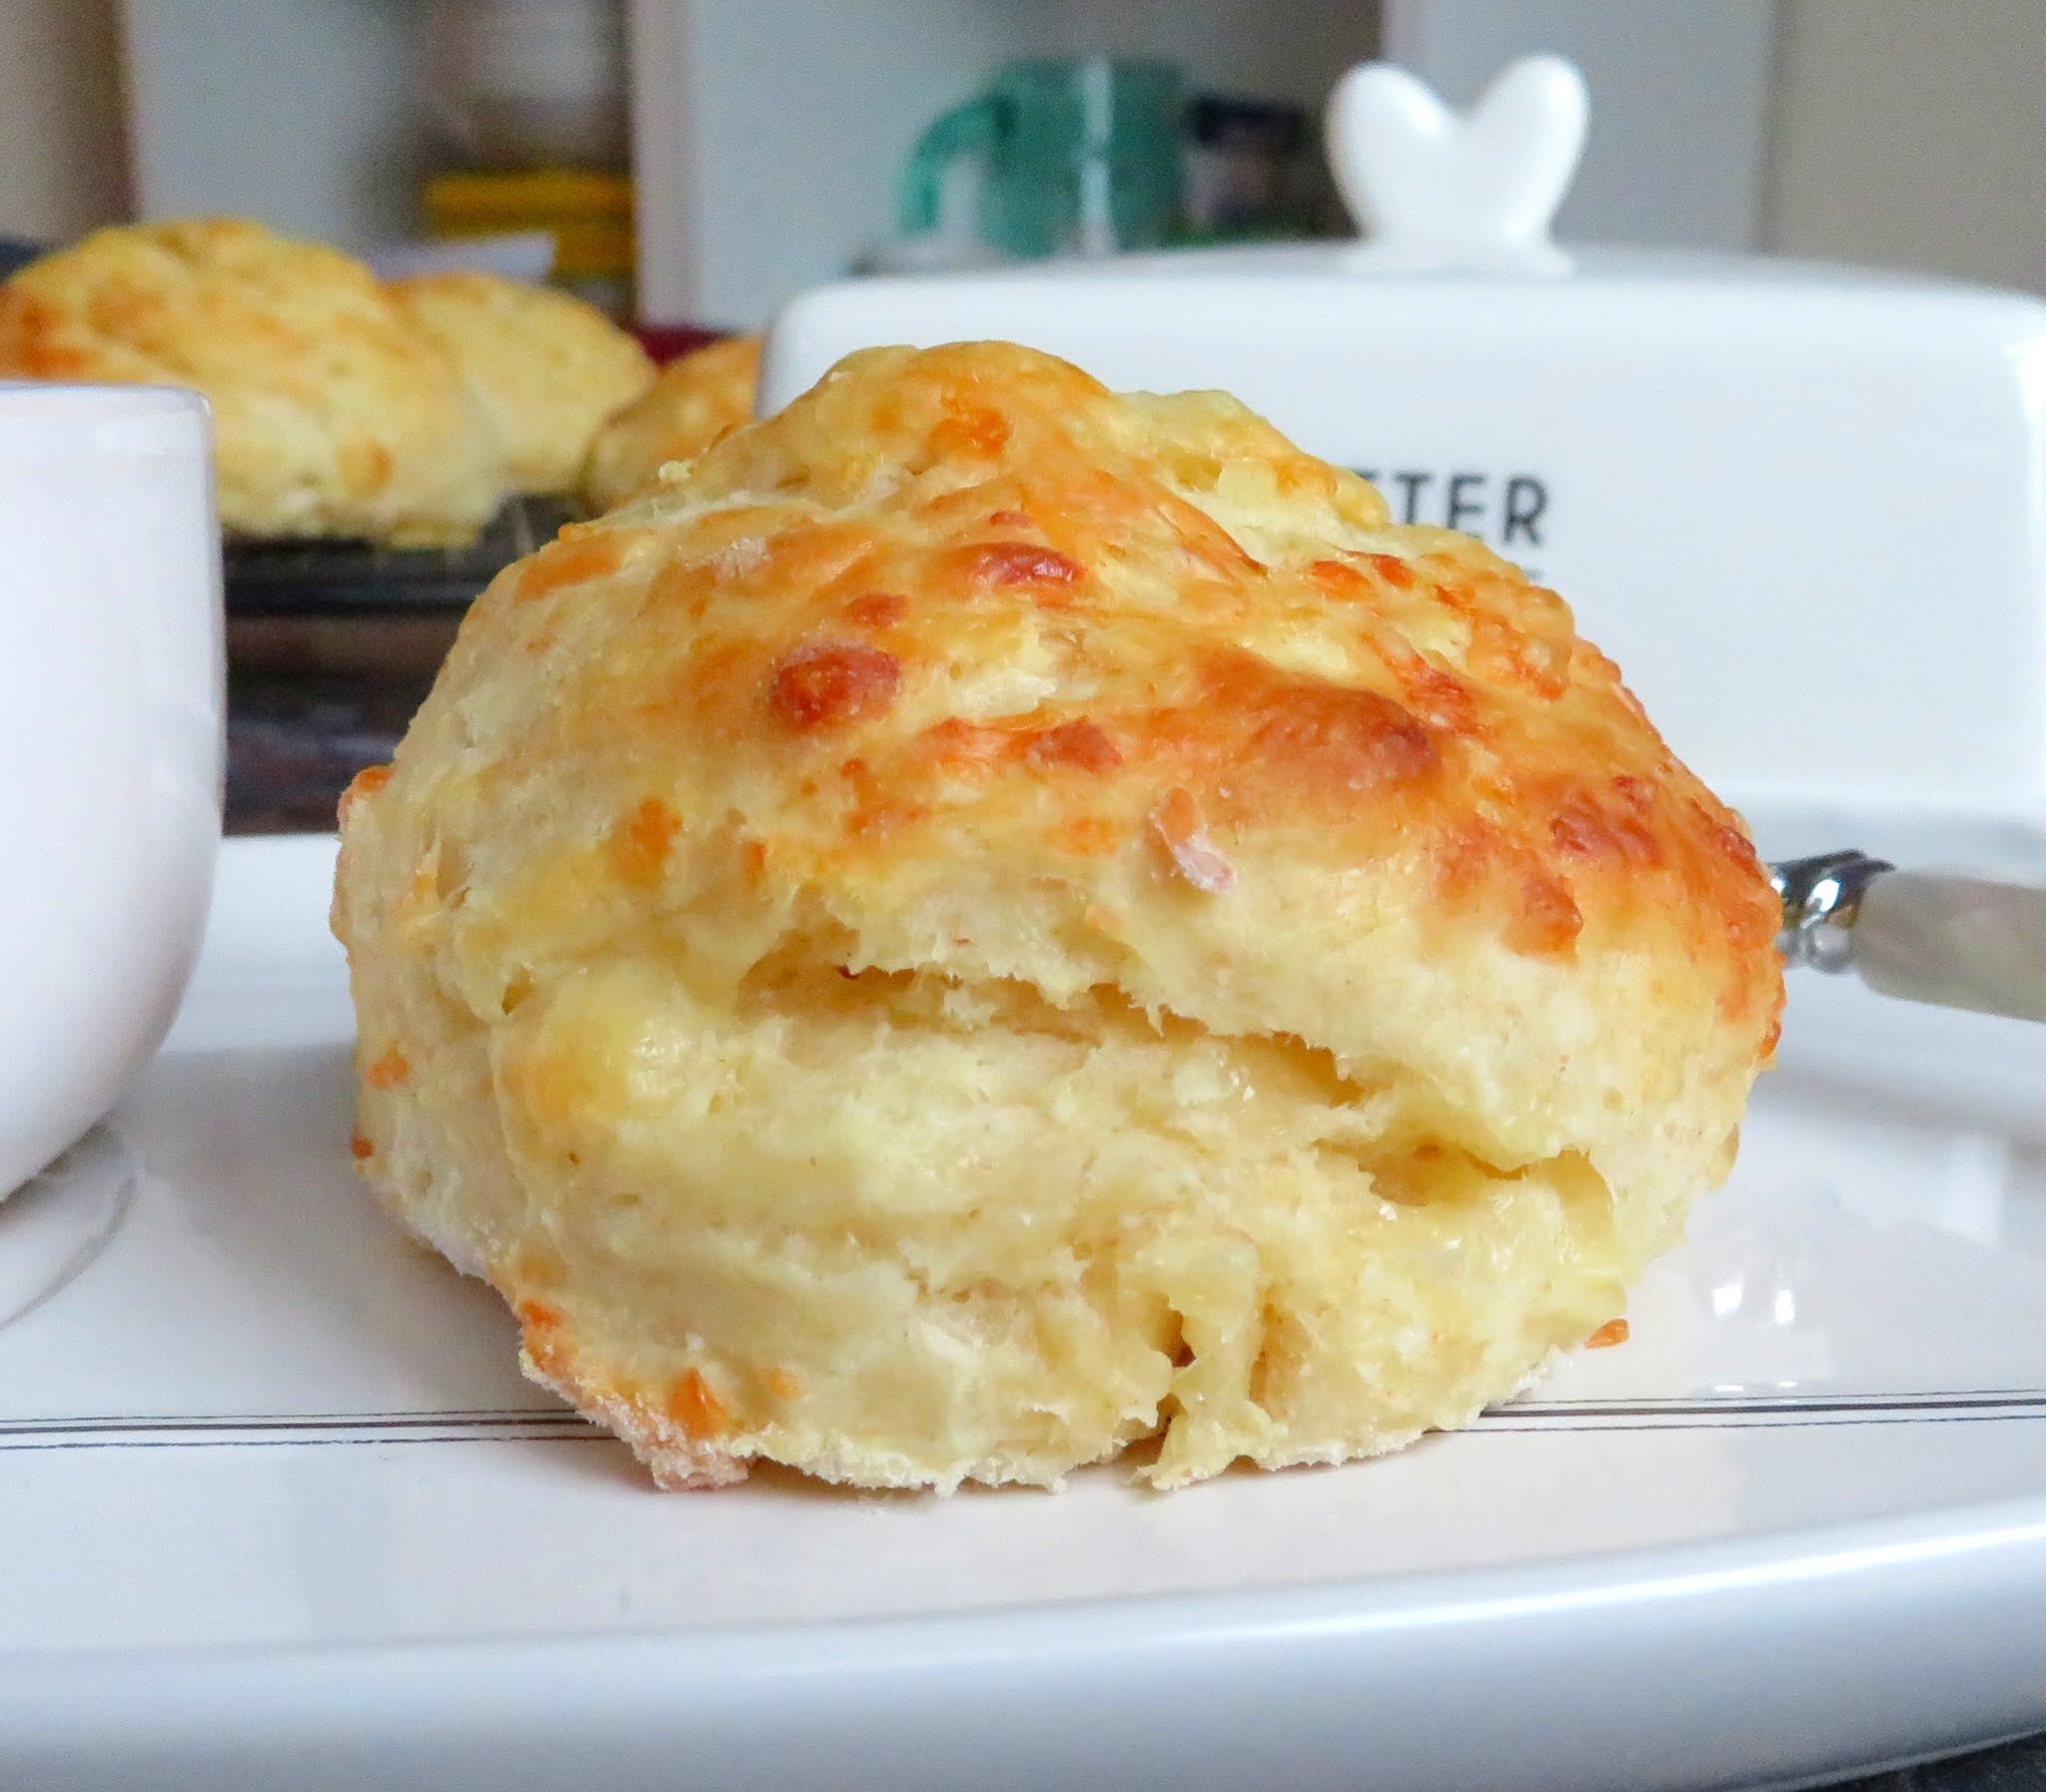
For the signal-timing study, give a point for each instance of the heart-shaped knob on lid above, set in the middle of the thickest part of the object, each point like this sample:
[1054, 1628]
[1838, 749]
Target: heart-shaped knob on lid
[1433, 189]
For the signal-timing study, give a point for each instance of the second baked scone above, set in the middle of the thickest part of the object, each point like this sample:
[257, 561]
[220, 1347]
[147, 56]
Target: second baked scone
[333, 412]
[695, 399]
[546, 368]
[981, 922]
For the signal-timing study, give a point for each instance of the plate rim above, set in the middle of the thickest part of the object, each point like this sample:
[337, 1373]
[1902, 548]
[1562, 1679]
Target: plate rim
[1242, 1658]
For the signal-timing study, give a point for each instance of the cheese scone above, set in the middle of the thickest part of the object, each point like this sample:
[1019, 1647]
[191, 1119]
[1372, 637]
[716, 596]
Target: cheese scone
[333, 412]
[692, 402]
[545, 367]
[982, 922]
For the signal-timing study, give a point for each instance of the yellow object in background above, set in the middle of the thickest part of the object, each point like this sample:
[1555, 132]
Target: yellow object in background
[587, 213]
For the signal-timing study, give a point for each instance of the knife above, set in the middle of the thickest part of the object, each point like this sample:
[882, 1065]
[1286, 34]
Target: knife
[1925, 936]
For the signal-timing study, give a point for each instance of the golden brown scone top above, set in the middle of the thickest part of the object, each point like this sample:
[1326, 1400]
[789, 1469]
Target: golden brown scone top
[695, 399]
[545, 367]
[1008, 677]
[334, 415]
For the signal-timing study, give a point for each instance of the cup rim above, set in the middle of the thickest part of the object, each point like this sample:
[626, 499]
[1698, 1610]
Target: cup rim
[110, 395]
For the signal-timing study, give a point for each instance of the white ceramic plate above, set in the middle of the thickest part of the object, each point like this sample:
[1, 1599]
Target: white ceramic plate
[277, 1509]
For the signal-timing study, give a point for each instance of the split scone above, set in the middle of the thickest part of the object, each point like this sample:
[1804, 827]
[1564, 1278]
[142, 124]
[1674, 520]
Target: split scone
[981, 923]
[334, 415]
[692, 402]
[544, 367]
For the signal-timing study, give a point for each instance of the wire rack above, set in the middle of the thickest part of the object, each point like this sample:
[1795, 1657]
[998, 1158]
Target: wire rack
[358, 578]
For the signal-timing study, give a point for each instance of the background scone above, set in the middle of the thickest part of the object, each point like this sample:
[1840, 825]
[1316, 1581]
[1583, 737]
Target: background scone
[334, 413]
[983, 919]
[695, 399]
[544, 368]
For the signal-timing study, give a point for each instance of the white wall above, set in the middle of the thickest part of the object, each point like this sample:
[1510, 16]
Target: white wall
[769, 133]
[1679, 97]
[1912, 134]
[62, 169]
[303, 113]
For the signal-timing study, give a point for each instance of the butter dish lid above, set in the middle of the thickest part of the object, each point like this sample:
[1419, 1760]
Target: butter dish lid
[1804, 507]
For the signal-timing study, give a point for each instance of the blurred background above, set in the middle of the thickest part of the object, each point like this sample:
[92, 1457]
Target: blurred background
[689, 165]
[694, 162]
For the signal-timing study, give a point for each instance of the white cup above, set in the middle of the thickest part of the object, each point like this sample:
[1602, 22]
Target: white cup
[110, 743]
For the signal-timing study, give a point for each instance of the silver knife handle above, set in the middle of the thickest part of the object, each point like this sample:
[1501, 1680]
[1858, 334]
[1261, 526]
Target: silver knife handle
[1962, 942]
[1821, 900]
[1924, 936]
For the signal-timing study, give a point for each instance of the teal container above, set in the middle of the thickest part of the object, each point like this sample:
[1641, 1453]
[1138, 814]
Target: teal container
[1077, 156]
